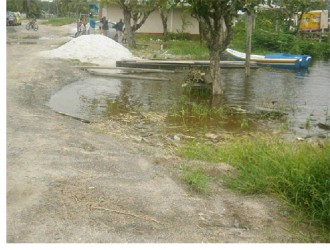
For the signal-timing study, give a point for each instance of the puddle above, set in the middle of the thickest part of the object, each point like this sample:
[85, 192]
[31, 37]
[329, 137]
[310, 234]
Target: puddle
[304, 97]
[86, 99]
[97, 98]
[24, 39]
[29, 37]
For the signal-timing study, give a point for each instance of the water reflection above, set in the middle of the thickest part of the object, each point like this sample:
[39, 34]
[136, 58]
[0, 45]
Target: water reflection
[85, 99]
[96, 97]
[305, 96]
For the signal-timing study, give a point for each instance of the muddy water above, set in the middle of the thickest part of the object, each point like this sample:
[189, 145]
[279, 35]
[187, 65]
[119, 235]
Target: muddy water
[303, 96]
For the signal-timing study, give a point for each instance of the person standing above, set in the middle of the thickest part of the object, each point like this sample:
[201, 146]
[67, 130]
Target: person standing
[81, 27]
[91, 24]
[84, 23]
[100, 27]
[119, 29]
[105, 26]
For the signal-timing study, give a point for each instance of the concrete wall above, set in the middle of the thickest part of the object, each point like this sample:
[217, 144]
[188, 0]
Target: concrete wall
[154, 24]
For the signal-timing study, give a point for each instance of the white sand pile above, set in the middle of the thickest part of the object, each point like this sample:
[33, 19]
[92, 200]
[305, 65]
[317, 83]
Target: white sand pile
[96, 49]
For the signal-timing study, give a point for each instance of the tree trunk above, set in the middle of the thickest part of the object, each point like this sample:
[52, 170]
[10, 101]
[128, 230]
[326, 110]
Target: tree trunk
[300, 17]
[248, 44]
[163, 15]
[100, 10]
[215, 71]
[128, 29]
[201, 36]
[27, 7]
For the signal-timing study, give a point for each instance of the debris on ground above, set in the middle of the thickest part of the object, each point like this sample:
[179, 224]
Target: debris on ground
[197, 79]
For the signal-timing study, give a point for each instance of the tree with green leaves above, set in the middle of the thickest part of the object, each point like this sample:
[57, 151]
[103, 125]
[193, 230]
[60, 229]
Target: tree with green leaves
[30, 7]
[15, 5]
[216, 21]
[72, 6]
[216, 18]
[290, 8]
[135, 14]
[165, 7]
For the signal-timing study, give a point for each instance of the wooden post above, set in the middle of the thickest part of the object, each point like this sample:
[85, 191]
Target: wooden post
[249, 24]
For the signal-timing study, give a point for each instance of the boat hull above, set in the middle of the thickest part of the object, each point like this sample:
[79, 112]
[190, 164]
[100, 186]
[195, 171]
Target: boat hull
[280, 60]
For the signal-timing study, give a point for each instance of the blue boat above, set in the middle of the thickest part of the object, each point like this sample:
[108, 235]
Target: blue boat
[278, 60]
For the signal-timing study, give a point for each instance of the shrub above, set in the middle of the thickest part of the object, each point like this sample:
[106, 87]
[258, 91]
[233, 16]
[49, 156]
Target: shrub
[276, 41]
[179, 36]
[266, 41]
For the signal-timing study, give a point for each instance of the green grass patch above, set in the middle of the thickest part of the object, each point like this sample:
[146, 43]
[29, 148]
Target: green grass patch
[59, 21]
[198, 113]
[141, 37]
[196, 179]
[180, 46]
[297, 171]
[194, 112]
[189, 48]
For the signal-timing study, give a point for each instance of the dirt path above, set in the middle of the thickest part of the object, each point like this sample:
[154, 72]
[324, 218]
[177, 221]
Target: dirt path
[67, 183]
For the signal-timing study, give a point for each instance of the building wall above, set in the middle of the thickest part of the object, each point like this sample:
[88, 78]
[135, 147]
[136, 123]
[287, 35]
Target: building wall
[154, 24]
[113, 13]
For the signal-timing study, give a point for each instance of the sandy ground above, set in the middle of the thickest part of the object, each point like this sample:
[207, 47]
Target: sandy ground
[68, 183]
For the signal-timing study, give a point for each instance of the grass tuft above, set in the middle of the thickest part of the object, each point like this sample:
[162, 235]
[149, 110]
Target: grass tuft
[299, 172]
[196, 179]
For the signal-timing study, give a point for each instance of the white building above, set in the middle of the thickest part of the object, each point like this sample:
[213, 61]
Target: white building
[179, 20]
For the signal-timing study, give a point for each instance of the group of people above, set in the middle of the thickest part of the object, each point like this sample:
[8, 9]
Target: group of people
[104, 27]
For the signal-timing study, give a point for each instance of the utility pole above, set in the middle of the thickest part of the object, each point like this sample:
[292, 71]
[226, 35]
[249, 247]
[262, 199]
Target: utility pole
[249, 23]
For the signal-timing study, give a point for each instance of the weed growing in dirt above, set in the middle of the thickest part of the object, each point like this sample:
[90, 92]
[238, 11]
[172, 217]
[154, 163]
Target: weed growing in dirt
[196, 179]
[194, 113]
[297, 171]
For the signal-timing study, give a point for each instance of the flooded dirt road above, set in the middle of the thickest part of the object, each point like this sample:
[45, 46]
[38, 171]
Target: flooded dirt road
[67, 183]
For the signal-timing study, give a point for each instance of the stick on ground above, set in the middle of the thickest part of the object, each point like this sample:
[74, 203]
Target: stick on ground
[128, 213]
